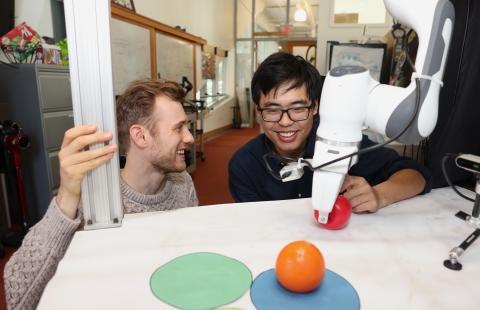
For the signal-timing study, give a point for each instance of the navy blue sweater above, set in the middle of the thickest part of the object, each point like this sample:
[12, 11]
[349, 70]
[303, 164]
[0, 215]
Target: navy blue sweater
[250, 180]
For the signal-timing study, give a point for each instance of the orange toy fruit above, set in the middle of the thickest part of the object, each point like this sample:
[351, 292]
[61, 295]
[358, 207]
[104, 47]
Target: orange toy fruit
[300, 267]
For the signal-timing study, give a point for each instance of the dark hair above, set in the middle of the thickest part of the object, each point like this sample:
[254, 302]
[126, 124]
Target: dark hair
[281, 69]
[137, 103]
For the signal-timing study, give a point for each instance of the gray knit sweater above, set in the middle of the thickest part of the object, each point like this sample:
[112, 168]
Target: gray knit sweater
[31, 267]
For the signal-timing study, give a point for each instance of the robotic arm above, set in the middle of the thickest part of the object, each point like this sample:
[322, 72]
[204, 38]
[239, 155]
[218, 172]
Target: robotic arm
[352, 99]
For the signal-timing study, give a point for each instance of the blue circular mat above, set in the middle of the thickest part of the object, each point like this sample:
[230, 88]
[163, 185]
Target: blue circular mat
[334, 293]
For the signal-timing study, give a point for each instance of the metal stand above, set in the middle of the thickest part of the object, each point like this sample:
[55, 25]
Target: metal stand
[472, 220]
[191, 111]
[237, 119]
[199, 131]
[13, 138]
[198, 107]
[21, 191]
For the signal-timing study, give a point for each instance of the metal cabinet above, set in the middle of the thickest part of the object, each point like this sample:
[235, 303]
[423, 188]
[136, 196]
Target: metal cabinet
[39, 97]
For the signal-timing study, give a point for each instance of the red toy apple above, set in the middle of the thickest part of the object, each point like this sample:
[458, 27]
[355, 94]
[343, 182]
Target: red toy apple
[339, 216]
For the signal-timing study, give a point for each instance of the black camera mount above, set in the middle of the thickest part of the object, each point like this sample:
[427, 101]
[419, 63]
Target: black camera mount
[470, 163]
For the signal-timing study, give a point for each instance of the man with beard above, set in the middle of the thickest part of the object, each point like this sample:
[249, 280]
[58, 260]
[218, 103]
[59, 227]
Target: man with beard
[152, 129]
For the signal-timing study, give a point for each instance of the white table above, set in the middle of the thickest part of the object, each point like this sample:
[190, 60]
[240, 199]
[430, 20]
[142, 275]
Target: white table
[393, 258]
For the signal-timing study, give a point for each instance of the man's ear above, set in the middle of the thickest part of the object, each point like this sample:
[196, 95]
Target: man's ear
[138, 135]
[315, 109]
[259, 114]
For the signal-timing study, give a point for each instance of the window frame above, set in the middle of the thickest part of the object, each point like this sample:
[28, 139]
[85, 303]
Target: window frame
[212, 85]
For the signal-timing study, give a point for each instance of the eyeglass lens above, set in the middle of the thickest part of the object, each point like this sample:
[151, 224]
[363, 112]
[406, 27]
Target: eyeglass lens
[295, 114]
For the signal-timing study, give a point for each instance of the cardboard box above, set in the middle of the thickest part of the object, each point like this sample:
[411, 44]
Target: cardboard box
[49, 54]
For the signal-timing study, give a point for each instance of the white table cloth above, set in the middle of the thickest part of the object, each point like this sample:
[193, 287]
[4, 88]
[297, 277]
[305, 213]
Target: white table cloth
[393, 258]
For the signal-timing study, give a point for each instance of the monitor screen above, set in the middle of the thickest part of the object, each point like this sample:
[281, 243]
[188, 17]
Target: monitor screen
[369, 55]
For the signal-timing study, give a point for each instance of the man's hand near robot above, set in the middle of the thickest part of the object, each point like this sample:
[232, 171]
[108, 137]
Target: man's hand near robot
[365, 198]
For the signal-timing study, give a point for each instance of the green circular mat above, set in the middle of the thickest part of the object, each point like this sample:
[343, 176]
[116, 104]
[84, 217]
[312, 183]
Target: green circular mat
[201, 281]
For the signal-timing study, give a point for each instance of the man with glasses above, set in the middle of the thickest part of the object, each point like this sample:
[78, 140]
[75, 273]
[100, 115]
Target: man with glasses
[286, 92]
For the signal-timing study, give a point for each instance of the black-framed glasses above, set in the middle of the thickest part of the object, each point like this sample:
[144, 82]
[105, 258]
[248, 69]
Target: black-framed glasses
[295, 114]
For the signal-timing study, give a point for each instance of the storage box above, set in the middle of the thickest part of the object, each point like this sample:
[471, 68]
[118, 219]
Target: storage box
[49, 54]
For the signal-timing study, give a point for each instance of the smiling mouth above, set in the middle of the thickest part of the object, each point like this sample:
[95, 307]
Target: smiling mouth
[181, 152]
[287, 134]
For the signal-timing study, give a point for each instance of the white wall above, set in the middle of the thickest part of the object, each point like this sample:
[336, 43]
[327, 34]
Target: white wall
[223, 115]
[211, 20]
[244, 16]
[37, 14]
[340, 34]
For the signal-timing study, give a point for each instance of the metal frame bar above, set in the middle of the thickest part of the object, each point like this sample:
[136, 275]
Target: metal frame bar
[91, 78]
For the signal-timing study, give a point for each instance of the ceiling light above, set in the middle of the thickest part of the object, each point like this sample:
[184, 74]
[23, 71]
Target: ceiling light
[300, 14]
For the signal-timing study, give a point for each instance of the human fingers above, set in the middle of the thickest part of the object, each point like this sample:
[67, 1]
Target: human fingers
[74, 167]
[356, 188]
[89, 155]
[70, 183]
[82, 141]
[88, 162]
[71, 175]
[358, 200]
[76, 132]
[347, 182]
[369, 206]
